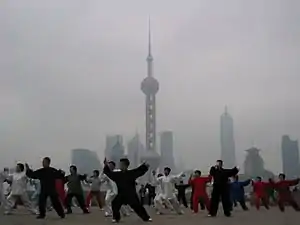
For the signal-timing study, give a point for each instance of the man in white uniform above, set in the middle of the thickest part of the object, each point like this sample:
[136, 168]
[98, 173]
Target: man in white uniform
[19, 190]
[168, 188]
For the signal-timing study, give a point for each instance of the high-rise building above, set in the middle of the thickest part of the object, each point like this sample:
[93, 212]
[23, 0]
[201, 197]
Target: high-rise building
[227, 140]
[114, 149]
[135, 149]
[85, 160]
[290, 157]
[166, 150]
[149, 87]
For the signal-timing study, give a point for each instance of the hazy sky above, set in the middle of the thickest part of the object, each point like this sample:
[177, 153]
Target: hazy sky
[70, 73]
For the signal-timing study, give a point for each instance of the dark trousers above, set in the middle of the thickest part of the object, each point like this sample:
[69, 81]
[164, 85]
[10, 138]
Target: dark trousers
[242, 203]
[55, 203]
[151, 195]
[220, 192]
[290, 201]
[182, 199]
[80, 200]
[131, 200]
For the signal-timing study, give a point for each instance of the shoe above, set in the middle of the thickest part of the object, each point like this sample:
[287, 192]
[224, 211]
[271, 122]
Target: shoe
[149, 220]
[159, 213]
[107, 214]
[7, 213]
[227, 214]
[39, 217]
[114, 221]
[86, 212]
[63, 216]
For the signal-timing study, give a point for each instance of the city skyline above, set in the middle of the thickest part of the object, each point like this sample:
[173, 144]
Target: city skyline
[69, 81]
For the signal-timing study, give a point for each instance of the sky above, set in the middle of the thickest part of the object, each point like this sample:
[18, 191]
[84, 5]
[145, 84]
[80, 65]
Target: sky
[70, 74]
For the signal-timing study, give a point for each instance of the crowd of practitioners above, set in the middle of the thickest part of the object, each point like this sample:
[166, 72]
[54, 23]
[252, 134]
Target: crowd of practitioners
[165, 192]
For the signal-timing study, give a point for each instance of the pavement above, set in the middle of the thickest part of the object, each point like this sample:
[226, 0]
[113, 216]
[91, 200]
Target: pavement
[252, 217]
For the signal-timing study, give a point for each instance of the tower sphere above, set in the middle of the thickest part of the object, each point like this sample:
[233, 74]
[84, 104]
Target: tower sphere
[150, 86]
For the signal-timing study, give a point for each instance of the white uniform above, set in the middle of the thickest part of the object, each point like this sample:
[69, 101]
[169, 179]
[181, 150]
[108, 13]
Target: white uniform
[167, 184]
[3, 177]
[18, 190]
[111, 192]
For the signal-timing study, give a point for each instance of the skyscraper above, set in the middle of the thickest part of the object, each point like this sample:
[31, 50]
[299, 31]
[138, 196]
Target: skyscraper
[166, 150]
[149, 87]
[290, 157]
[114, 149]
[135, 149]
[227, 140]
[85, 160]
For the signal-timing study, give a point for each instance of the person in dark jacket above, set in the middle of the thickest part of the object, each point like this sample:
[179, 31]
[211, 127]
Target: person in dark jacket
[237, 192]
[221, 188]
[181, 188]
[75, 190]
[125, 181]
[47, 176]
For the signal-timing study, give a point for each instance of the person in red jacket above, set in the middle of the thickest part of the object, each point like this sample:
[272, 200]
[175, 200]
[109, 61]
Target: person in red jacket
[284, 194]
[260, 192]
[60, 189]
[198, 184]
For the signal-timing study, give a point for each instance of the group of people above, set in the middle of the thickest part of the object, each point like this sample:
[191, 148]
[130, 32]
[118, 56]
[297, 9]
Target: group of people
[121, 190]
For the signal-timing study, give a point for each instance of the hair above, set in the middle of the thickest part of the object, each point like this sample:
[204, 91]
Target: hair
[282, 175]
[73, 167]
[47, 159]
[220, 161]
[198, 171]
[236, 177]
[125, 161]
[96, 172]
[167, 169]
[259, 178]
[112, 163]
[21, 166]
[159, 175]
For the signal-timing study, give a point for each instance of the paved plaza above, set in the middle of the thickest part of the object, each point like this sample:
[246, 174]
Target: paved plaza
[251, 217]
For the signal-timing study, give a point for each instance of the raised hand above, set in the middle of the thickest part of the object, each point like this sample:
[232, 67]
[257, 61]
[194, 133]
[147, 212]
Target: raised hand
[105, 161]
[27, 166]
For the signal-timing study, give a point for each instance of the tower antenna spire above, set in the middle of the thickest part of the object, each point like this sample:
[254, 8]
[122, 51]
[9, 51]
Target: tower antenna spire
[149, 37]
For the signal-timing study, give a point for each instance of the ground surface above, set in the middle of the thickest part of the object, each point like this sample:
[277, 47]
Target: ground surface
[263, 217]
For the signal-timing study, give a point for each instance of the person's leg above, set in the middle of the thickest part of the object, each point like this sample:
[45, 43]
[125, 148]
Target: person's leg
[10, 203]
[69, 199]
[202, 205]
[138, 208]
[206, 202]
[265, 202]
[42, 205]
[108, 200]
[57, 205]
[158, 204]
[176, 206]
[294, 204]
[27, 203]
[89, 198]
[116, 206]
[226, 202]
[257, 202]
[243, 204]
[2, 198]
[191, 200]
[98, 198]
[102, 199]
[214, 202]
[195, 203]
[184, 201]
[80, 200]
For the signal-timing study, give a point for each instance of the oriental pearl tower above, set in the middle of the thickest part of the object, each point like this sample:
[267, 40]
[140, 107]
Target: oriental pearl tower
[149, 87]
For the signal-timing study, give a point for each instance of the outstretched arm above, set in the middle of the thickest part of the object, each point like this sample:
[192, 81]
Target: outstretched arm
[38, 174]
[291, 182]
[245, 183]
[231, 172]
[139, 171]
[111, 174]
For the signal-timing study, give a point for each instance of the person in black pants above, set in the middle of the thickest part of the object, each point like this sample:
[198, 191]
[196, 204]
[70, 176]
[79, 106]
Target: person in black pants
[75, 190]
[125, 180]
[221, 188]
[47, 176]
[181, 188]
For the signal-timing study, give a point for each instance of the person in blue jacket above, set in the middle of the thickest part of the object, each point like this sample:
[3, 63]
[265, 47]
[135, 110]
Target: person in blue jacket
[237, 192]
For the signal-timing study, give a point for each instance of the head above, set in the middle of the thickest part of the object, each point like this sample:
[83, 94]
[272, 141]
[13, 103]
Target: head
[167, 171]
[159, 175]
[236, 178]
[73, 169]
[281, 176]
[20, 168]
[197, 173]
[112, 165]
[219, 163]
[96, 173]
[259, 179]
[46, 162]
[124, 163]
[6, 170]
[153, 172]
[181, 182]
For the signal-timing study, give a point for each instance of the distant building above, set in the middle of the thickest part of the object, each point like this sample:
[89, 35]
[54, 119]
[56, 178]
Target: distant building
[166, 150]
[290, 157]
[254, 165]
[227, 140]
[135, 149]
[114, 149]
[85, 160]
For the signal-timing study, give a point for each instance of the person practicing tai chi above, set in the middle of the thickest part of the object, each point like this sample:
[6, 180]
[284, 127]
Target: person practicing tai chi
[47, 176]
[18, 190]
[221, 188]
[181, 196]
[3, 178]
[237, 192]
[284, 194]
[151, 186]
[96, 183]
[168, 187]
[199, 184]
[125, 180]
[75, 190]
[260, 193]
